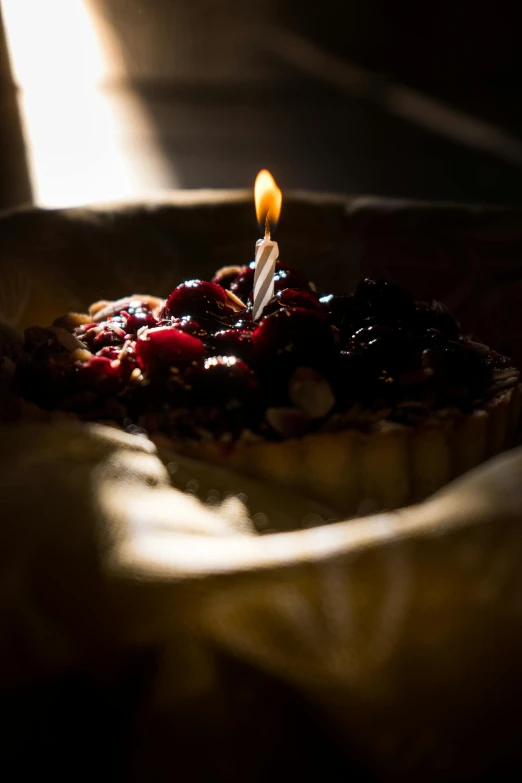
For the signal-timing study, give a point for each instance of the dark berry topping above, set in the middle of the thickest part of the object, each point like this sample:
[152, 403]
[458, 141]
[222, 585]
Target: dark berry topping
[163, 347]
[243, 284]
[109, 352]
[462, 362]
[289, 278]
[102, 374]
[294, 297]
[496, 361]
[344, 313]
[239, 320]
[226, 276]
[138, 320]
[384, 346]
[189, 326]
[111, 332]
[203, 368]
[383, 298]
[234, 342]
[198, 299]
[436, 316]
[221, 381]
[284, 277]
[292, 330]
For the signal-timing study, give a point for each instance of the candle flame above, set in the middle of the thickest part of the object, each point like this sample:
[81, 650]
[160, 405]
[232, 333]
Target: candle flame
[268, 201]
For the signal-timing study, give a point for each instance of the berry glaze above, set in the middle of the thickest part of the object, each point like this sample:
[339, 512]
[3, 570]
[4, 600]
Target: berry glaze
[196, 365]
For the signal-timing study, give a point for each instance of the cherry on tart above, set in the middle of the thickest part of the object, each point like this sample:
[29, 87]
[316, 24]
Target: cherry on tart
[137, 321]
[226, 276]
[234, 342]
[197, 298]
[382, 298]
[221, 380]
[101, 374]
[165, 347]
[189, 326]
[284, 277]
[294, 297]
[290, 331]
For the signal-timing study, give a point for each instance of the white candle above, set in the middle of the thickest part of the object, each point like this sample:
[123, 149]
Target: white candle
[267, 253]
[268, 200]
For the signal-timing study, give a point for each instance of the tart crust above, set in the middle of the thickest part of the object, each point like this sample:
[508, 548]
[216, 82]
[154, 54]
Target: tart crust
[391, 466]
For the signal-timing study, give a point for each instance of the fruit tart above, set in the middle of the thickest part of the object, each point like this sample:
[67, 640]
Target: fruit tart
[367, 400]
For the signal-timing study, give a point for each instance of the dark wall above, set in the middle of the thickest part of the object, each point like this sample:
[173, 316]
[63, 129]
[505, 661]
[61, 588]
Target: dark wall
[465, 52]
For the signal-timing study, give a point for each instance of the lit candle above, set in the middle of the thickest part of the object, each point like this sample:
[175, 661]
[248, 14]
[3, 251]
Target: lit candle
[268, 200]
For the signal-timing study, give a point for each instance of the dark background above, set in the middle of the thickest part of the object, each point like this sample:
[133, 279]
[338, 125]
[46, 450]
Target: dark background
[227, 92]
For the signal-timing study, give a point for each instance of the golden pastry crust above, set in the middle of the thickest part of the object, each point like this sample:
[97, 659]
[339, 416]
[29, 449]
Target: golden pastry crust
[391, 466]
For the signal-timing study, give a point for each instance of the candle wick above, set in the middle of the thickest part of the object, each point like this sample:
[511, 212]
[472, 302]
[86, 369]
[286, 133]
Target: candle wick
[267, 225]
